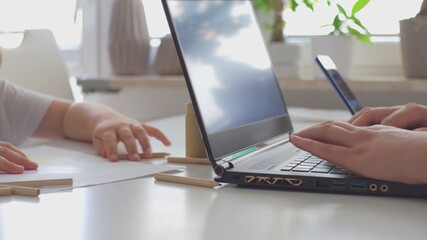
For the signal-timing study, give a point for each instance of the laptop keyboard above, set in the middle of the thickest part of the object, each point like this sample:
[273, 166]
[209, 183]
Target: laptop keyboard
[310, 163]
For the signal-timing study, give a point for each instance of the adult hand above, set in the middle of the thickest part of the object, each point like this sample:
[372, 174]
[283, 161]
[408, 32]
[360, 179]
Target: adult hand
[112, 130]
[378, 151]
[12, 160]
[410, 116]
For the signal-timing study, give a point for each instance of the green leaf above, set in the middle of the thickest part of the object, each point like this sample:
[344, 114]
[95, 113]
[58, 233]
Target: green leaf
[268, 26]
[365, 38]
[326, 25]
[342, 10]
[359, 23]
[262, 4]
[354, 32]
[359, 5]
[309, 4]
[360, 36]
[293, 5]
[337, 23]
[279, 26]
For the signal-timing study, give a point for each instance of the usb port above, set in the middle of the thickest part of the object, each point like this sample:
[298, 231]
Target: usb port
[358, 185]
[339, 184]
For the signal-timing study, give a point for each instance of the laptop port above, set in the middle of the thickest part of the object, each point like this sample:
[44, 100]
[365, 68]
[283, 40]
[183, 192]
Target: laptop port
[384, 188]
[358, 185]
[321, 184]
[373, 187]
[339, 184]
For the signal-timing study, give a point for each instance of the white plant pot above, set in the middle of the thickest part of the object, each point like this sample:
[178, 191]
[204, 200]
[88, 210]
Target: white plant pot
[128, 42]
[264, 18]
[167, 61]
[339, 48]
[286, 59]
[413, 39]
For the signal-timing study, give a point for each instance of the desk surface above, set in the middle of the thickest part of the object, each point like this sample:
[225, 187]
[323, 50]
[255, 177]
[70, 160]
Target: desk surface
[146, 209]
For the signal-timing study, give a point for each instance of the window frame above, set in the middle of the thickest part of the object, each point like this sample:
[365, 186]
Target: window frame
[381, 58]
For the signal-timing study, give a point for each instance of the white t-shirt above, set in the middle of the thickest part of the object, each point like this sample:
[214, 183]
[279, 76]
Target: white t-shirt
[21, 111]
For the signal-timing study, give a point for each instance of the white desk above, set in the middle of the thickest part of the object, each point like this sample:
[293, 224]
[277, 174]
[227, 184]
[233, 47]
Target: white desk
[145, 209]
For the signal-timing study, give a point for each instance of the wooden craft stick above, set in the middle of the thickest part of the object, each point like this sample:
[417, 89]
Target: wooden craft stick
[5, 191]
[155, 155]
[190, 160]
[185, 180]
[23, 191]
[41, 183]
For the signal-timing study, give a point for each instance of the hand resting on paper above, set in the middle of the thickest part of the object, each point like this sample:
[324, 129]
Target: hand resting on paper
[27, 113]
[12, 160]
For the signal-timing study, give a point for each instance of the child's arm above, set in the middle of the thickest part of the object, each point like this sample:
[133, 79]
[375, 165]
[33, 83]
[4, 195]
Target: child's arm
[99, 124]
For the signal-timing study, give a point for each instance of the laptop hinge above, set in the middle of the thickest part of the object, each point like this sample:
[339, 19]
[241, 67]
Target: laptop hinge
[222, 166]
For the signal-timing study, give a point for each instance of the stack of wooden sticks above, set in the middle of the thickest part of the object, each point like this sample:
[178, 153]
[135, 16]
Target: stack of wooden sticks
[31, 188]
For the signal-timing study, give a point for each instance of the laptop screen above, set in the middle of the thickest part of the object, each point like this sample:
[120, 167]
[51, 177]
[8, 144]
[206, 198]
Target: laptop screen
[228, 70]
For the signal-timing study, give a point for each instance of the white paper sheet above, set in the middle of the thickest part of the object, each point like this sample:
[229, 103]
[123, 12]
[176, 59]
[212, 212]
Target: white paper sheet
[86, 170]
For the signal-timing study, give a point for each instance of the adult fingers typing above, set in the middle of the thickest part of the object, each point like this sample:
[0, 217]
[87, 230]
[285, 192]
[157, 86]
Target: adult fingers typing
[380, 152]
[370, 116]
[409, 116]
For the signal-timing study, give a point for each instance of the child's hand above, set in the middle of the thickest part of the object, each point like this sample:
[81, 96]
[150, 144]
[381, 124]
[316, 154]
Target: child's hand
[110, 131]
[12, 160]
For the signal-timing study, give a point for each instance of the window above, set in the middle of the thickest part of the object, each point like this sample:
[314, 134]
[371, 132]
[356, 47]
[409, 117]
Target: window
[380, 17]
[156, 19]
[58, 16]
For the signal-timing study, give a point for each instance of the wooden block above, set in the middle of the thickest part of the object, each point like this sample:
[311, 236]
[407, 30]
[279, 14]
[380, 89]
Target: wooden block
[41, 183]
[5, 191]
[189, 160]
[186, 180]
[194, 146]
[23, 191]
[141, 156]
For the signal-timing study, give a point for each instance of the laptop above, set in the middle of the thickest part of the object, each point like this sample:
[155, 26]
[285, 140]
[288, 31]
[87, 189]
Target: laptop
[329, 68]
[243, 118]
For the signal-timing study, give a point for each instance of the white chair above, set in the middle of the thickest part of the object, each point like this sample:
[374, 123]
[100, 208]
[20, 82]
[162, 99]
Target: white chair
[37, 64]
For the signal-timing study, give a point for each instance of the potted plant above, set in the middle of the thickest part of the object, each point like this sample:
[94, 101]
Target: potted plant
[338, 44]
[413, 38]
[285, 57]
[345, 23]
[274, 9]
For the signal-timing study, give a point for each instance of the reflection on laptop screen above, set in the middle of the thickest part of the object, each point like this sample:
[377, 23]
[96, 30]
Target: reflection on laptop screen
[228, 66]
[228, 61]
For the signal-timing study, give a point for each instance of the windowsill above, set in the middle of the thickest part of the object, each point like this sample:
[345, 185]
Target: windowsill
[372, 84]
[367, 83]
[169, 93]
